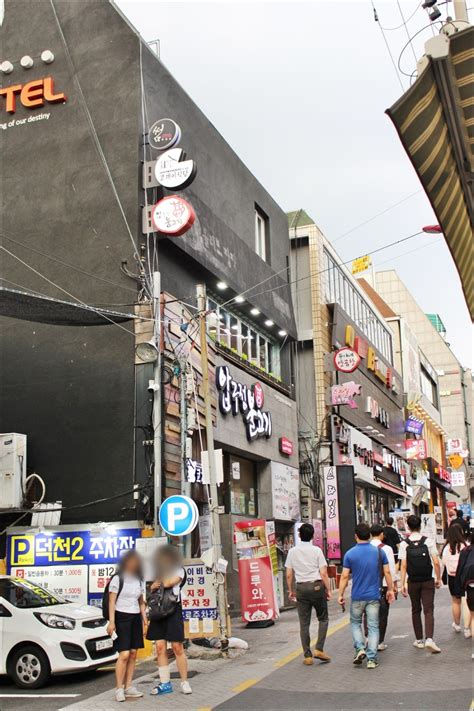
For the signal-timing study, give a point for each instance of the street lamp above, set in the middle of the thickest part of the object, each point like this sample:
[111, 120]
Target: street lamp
[147, 352]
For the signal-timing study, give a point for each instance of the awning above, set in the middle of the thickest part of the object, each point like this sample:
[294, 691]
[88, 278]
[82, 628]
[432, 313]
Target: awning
[392, 488]
[435, 122]
[29, 306]
[442, 484]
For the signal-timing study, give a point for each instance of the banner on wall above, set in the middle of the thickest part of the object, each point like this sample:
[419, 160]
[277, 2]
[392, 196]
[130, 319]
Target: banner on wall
[257, 584]
[438, 513]
[75, 565]
[199, 601]
[331, 503]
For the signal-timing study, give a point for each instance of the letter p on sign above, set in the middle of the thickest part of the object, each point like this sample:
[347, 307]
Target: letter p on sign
[178, 515]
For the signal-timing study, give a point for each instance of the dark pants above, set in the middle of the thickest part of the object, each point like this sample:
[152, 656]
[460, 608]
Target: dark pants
[309, 596]
[422, 594]
[383, 617]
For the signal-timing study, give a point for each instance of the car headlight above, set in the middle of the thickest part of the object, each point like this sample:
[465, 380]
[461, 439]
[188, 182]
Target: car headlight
[55, 621]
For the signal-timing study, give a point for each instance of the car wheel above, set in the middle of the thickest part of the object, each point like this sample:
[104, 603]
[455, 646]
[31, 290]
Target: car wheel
[29, 667]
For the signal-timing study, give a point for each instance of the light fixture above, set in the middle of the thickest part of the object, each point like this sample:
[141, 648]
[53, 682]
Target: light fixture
[26, 62]
[221, 285]
[235, 327]
[254, 312]
[6, 67]
[282, 333]
[47, 56]
[269, 322]
[239, 299]
[147, 352]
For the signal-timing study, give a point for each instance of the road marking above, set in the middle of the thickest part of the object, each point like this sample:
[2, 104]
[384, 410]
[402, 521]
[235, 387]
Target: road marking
[398, 636]
[289, 657]
[39, 696]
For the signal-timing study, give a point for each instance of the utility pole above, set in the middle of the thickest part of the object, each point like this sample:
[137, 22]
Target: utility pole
[460, 11]
[157, 400]
[185, 486]
[216, 530]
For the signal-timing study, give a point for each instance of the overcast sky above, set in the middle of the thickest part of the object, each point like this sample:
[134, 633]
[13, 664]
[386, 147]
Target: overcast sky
[299, 90]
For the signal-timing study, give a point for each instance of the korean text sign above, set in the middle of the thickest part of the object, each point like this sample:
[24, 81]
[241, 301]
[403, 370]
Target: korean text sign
[199, 602]
[331, 502]
[257, 588]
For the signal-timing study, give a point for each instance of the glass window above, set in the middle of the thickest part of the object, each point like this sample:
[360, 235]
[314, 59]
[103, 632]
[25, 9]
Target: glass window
[27, 595]
[234, 333]
[260, 235]
[253, 345]
[245, 336]
[263, 353]
[224, 328]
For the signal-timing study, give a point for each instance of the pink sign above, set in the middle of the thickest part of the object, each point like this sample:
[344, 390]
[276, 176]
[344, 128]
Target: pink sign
[318, 533]
[331, 503]
[344, 394]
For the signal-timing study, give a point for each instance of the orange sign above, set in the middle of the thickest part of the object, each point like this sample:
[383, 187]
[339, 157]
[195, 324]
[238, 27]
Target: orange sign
[455, 461]
[31, 95]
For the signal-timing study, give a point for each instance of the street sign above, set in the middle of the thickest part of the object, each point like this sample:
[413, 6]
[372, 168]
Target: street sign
[178, 515]
[346, 360]
[164, 133]
[172, 171]
[361, 264]
[173, 216]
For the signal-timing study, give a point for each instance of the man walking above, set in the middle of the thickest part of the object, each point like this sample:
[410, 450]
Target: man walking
[420, 563]
[306, 563]
[392, 537]
[377, 540]
[367, 565]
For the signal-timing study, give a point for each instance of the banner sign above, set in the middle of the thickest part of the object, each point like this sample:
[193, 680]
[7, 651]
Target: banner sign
[331, 503]
[458, 479]
[346, 360]
[235, 398]
[344, 394]
[73, 564]
[414, 425]
[199, 602]
[415, 449]
[361, 264]
[285, 492]
[257, 585]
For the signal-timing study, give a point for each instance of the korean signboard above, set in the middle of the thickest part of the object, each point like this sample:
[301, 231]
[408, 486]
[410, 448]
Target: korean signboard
[199, 602]
[352, 447]
[285, 492]
[415, 449]
[361, 264]
[346, 360]
[72, 564]
[458, 479]
[414, 425]
[345, 393]
[257, 584]
[331, 503]
[236, 398]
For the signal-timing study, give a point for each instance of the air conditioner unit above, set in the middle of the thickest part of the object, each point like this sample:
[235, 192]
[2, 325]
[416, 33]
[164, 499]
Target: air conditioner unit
[12, 469]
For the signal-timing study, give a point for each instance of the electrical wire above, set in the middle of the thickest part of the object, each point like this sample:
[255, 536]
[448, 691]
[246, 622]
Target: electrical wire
[77, 506]
[387, 46]
[399, 27]
[426, 27]
[407, 33]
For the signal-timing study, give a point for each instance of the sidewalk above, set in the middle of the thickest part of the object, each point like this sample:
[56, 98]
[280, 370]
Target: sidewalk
[271, 676]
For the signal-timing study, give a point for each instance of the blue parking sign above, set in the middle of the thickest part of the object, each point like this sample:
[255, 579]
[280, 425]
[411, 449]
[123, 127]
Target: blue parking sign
[178, 515]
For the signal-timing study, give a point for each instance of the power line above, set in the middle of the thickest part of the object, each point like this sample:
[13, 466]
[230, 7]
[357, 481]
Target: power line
[399, 27]
[406, 30]
[387, 46]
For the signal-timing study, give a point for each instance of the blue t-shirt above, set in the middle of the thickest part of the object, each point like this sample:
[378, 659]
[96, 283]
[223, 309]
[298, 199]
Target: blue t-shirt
[363, 560]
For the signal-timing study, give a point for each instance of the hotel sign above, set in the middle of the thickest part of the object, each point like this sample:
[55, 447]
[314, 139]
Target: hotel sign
[32, 95]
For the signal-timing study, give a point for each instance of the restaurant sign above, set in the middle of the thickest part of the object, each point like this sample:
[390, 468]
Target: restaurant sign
[236, 398]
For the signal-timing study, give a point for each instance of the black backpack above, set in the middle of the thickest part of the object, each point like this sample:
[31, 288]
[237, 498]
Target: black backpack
[419, 565]
[162, 602]
[105, 597]
[466, 575]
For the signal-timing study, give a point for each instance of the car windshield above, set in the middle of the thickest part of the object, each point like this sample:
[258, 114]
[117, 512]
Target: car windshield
[22, 593]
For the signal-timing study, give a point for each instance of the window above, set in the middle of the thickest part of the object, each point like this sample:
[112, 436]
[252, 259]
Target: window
[428, 386]
[260, 234]
[27, 595]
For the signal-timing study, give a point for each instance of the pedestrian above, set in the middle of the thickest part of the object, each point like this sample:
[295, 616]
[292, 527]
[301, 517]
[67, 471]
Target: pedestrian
[170, 578]
[459, 520]
[367, 564]
[420, 574]
[391, 537]
[306, 564]
[465, 582]
[455, 543]
[125, 594]
[377, 539]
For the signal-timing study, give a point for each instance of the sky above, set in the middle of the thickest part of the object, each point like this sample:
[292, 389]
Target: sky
[299, 90]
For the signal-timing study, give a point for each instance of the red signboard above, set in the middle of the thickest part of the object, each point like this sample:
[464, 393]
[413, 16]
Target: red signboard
[286, 446]
[257, 591]
[173, 215]
[415, 448]
[444, 474]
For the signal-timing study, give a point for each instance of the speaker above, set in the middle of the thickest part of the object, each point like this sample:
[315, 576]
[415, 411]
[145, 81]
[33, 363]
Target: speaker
[347, 512]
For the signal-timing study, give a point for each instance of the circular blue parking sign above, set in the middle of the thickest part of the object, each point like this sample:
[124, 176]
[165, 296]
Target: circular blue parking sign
[178, 515]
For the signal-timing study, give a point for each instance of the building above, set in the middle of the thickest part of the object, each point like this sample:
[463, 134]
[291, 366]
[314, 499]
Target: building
[455, 381]
[77, 194]
[351, 420]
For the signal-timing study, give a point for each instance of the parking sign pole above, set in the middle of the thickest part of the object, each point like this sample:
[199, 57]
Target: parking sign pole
[213, 503]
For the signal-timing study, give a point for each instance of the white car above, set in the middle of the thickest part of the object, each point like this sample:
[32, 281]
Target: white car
[41, 634]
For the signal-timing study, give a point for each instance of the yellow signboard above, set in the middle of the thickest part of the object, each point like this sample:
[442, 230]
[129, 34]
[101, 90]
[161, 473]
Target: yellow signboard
[361, 264]
[455, 460]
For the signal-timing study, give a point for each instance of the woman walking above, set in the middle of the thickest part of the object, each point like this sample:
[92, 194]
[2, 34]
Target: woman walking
[171, 576]
[450, 558]
[127, 620]
[465, 583]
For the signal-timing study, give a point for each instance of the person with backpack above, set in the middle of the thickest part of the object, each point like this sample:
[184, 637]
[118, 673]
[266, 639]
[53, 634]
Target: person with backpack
[450, 554]
[367, 565]
[421, 567]
[166, 618]
[123, 605]
[465, 581]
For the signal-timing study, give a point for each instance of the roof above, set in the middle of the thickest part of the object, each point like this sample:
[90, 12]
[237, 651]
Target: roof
[377, 300]
[299, 218]
[435, 123]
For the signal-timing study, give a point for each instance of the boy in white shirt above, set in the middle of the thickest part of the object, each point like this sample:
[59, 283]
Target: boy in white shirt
[377, 538]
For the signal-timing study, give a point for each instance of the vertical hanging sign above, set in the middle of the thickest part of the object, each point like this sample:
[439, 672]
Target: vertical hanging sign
[257, 586]
[331, 503]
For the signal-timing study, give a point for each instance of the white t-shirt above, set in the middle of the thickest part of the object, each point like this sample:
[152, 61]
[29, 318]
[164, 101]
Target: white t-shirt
[402, 551]
[451, 561]
[130, 594]
[306, 560]
[388, 550]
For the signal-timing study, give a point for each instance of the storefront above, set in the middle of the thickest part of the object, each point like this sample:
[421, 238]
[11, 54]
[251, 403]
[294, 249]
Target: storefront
[257, 431]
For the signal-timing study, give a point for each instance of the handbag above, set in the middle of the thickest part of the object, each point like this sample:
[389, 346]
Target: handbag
[162, 602]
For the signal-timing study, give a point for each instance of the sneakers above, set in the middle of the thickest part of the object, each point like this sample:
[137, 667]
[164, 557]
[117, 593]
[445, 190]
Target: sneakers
[372, 664]
[359, 656]
[162, 688]
[119, 694]
[456, 628]
[322, 656]
[467, 633]
[382, 646]
[434, 649]
[419, 644]
[186, 687]
[133, 693]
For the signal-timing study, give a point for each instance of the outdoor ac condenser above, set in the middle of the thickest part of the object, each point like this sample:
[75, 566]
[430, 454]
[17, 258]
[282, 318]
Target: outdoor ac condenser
[12, 469]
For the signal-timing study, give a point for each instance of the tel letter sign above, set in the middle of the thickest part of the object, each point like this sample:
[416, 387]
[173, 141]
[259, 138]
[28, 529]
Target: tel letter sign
[178, 515]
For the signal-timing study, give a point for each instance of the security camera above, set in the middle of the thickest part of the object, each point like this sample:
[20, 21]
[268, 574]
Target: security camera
[153, 387]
